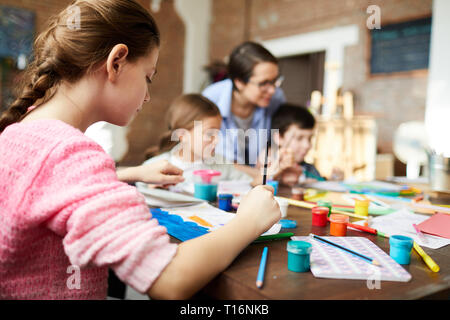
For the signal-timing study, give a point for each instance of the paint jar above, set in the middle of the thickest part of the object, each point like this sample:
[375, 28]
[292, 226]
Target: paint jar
[299, 253]
[325, 203]
[274, 184]
[225, 201]
[284, 204]
[205, 184]
[362, 207]
[319, 216]
[338, 225]
[298, 194]
[400, 248]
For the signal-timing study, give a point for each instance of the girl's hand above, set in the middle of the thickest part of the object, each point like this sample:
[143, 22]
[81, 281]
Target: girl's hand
[260, 208]
[160, 172]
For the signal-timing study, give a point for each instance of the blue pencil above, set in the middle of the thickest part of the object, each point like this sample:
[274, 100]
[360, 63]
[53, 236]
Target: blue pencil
[262, 268]
[356, 254]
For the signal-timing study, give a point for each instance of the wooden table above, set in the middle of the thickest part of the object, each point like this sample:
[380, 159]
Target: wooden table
[238, 281]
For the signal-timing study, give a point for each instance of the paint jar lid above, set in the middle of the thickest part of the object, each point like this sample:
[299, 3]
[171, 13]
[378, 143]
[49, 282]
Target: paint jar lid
[288, 224]
[324, 203]
[207, 175]
[403, 241]
[362, 203]
[225, 196]
[339, 218]
[272, 182]
[299, 247]
[320, 210]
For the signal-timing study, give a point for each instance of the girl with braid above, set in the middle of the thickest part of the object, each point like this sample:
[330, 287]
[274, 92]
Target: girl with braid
[62, 204]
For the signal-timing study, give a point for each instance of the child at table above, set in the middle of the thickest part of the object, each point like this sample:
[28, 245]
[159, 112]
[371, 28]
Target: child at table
[296, 129]
[63, 208]
[193, 127]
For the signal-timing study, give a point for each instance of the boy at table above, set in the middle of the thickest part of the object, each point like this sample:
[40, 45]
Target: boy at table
[296, 130]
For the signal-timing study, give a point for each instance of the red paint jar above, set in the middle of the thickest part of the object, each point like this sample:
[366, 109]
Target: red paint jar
[319, 216]
[338, 225]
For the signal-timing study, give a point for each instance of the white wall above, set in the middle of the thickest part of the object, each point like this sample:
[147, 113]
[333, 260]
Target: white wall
[333, 41]
[196, 15]
[437, 114]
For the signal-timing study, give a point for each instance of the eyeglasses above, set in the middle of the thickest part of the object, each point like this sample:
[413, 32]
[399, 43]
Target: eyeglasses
[266, 85]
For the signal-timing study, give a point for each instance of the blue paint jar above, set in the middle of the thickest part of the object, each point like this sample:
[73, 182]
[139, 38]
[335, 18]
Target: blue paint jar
[400, 248]
[205, 191]
[274, 184]
[299, 253]
[205, 184]
[225, 201]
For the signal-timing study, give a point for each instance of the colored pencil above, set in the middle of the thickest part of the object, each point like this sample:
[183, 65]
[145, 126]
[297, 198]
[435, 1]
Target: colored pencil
[262, 268]
[359, 255]
[362, 228]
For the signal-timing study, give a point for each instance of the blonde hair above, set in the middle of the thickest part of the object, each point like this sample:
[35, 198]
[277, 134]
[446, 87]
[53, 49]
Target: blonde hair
[181, 114]
[67, 52]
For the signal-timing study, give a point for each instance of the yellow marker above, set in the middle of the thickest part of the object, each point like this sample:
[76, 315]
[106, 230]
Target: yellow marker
[200, 221]
[430, 262]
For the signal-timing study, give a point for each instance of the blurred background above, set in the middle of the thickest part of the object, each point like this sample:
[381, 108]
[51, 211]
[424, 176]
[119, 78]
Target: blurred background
[333, 55]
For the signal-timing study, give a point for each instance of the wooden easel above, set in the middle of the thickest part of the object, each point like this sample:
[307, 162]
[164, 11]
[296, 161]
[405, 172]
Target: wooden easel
[342, 140]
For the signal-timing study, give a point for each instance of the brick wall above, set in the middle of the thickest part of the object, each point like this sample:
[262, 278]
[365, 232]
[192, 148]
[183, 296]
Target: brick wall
[392, 99]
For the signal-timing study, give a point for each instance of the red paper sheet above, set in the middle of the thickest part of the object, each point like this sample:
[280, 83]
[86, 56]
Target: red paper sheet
[438, 225]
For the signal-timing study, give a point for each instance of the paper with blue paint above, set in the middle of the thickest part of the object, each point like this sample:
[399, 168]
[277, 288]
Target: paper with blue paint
[179, 225]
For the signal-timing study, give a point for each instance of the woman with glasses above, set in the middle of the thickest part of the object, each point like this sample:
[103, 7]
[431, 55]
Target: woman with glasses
[247, 101]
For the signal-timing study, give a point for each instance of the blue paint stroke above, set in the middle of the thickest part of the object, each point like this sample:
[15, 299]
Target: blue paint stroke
[177, 227]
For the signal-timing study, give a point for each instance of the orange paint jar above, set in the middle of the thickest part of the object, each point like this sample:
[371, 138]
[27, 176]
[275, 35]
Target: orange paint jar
[338, 225]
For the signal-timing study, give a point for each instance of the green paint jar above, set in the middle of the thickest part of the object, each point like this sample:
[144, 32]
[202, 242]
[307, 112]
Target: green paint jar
[299, 253]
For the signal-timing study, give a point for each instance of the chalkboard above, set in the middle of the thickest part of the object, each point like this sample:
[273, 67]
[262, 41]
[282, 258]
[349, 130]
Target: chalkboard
[16, 32]
[400, 47]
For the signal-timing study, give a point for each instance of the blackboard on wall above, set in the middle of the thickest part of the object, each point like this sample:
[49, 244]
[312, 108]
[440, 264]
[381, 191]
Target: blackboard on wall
[400, 47]
[16, 32]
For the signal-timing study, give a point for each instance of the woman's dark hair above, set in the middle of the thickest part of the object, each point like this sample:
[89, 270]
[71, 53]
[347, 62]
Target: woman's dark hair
[63, 52]
[290, 114]
[244, 58]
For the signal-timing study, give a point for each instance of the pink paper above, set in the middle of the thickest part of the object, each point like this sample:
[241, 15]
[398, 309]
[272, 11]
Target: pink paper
[438, 224]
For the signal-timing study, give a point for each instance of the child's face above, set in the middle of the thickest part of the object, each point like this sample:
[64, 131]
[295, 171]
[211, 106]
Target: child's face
[259, 90]
[298, 140]
[202, 143]
[131, 89]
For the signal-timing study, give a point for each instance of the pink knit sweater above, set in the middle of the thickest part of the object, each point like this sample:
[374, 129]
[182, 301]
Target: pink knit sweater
[65, 218]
